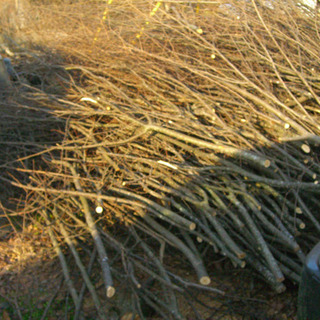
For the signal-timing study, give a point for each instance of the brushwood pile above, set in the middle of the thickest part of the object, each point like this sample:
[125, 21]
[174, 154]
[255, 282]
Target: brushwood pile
[189, 130]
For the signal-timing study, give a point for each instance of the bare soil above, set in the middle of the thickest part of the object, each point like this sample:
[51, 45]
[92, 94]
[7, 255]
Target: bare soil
[31, 279]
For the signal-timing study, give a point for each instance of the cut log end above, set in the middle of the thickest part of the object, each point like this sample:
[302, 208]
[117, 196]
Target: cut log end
[241, 255]
[267, 163]
[199, 239]
[192, 226]
[302, 225]
[305, 148]
[280, 288]
[110, 292]
[205, 280]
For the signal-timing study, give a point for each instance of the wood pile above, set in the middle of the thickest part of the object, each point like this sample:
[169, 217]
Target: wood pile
[197, 134]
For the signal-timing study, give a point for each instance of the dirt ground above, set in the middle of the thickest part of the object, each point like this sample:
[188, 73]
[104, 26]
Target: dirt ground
[31, 283]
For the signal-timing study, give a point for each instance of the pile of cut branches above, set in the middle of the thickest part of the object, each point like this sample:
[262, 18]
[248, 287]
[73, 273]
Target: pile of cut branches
[197, 131]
